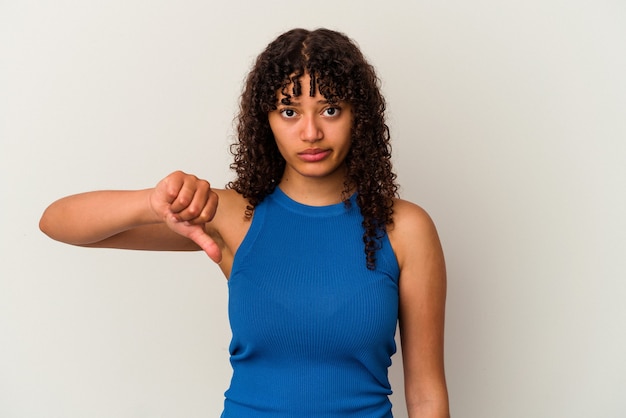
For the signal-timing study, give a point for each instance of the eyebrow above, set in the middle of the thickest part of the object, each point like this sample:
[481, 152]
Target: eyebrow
[295, 103]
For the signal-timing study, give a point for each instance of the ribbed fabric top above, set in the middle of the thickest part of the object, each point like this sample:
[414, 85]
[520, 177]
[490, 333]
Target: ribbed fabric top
[313, 328]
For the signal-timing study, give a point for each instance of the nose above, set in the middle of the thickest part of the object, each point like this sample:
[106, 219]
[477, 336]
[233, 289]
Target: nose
[311, 131]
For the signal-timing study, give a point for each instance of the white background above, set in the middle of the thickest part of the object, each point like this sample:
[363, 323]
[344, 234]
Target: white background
[509, 126]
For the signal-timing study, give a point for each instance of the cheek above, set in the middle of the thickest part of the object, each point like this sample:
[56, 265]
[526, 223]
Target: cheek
[282, 147]
[346, 134]
[272, 125]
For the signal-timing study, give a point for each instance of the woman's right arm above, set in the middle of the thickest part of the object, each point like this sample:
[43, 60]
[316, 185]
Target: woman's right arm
[171, 216]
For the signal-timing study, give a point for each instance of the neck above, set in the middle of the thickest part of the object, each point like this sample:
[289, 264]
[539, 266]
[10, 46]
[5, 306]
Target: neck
[313, 191]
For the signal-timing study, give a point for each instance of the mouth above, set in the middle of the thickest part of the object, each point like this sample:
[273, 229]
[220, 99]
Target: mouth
[314, 154]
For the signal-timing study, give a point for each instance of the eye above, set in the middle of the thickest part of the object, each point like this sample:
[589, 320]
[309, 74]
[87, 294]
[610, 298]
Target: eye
[288, 113]
[332, 111]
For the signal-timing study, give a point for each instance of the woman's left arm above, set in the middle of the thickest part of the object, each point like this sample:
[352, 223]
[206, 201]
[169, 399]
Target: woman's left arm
[422, 310]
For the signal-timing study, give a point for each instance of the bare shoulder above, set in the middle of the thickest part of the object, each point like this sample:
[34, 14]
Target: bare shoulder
[230, 201]
[229, 225]
[413, 231]
[405, 212]
[230, 213]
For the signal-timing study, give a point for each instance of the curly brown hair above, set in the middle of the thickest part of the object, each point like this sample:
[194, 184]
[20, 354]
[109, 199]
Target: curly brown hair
[340, 72]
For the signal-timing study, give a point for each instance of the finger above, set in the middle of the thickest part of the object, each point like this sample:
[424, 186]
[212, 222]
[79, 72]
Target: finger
[207, 211]
[202, 207]
[197, 234]
[171, 186]
[192, 196]
[204, 241]
[164, 193]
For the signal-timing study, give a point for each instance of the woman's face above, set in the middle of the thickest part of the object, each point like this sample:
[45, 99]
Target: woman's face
[312, 135]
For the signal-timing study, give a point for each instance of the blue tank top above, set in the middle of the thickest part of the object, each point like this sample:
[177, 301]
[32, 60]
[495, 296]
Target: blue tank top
[312, 328]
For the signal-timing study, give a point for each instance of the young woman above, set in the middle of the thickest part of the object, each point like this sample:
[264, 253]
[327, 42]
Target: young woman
[323, 260]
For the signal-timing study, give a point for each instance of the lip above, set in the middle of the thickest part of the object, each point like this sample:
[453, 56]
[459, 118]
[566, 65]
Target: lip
[314, 154]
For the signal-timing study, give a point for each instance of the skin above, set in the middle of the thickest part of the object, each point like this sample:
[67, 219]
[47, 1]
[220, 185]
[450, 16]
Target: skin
[184, 213]
[322, 131]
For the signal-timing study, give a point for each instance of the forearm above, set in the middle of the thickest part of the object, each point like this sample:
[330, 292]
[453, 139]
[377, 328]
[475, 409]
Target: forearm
[91, 217]
[436, 408]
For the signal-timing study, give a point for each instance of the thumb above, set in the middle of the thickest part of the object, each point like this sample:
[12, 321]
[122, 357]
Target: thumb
[197, 234]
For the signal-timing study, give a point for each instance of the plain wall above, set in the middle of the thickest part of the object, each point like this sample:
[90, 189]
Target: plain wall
[508, 124]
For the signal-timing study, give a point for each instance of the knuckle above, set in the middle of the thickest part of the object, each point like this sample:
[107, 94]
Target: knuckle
[176, 175]
[193, 211]
[171, 192]
[183, 200]
[203, 185]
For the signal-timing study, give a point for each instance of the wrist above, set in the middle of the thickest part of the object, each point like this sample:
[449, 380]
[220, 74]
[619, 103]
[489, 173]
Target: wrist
[151, 214]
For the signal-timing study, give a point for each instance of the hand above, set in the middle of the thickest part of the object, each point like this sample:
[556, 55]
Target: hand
[186, 203]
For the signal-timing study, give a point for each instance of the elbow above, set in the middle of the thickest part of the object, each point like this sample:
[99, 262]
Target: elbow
[49, 224]
[45, 224]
